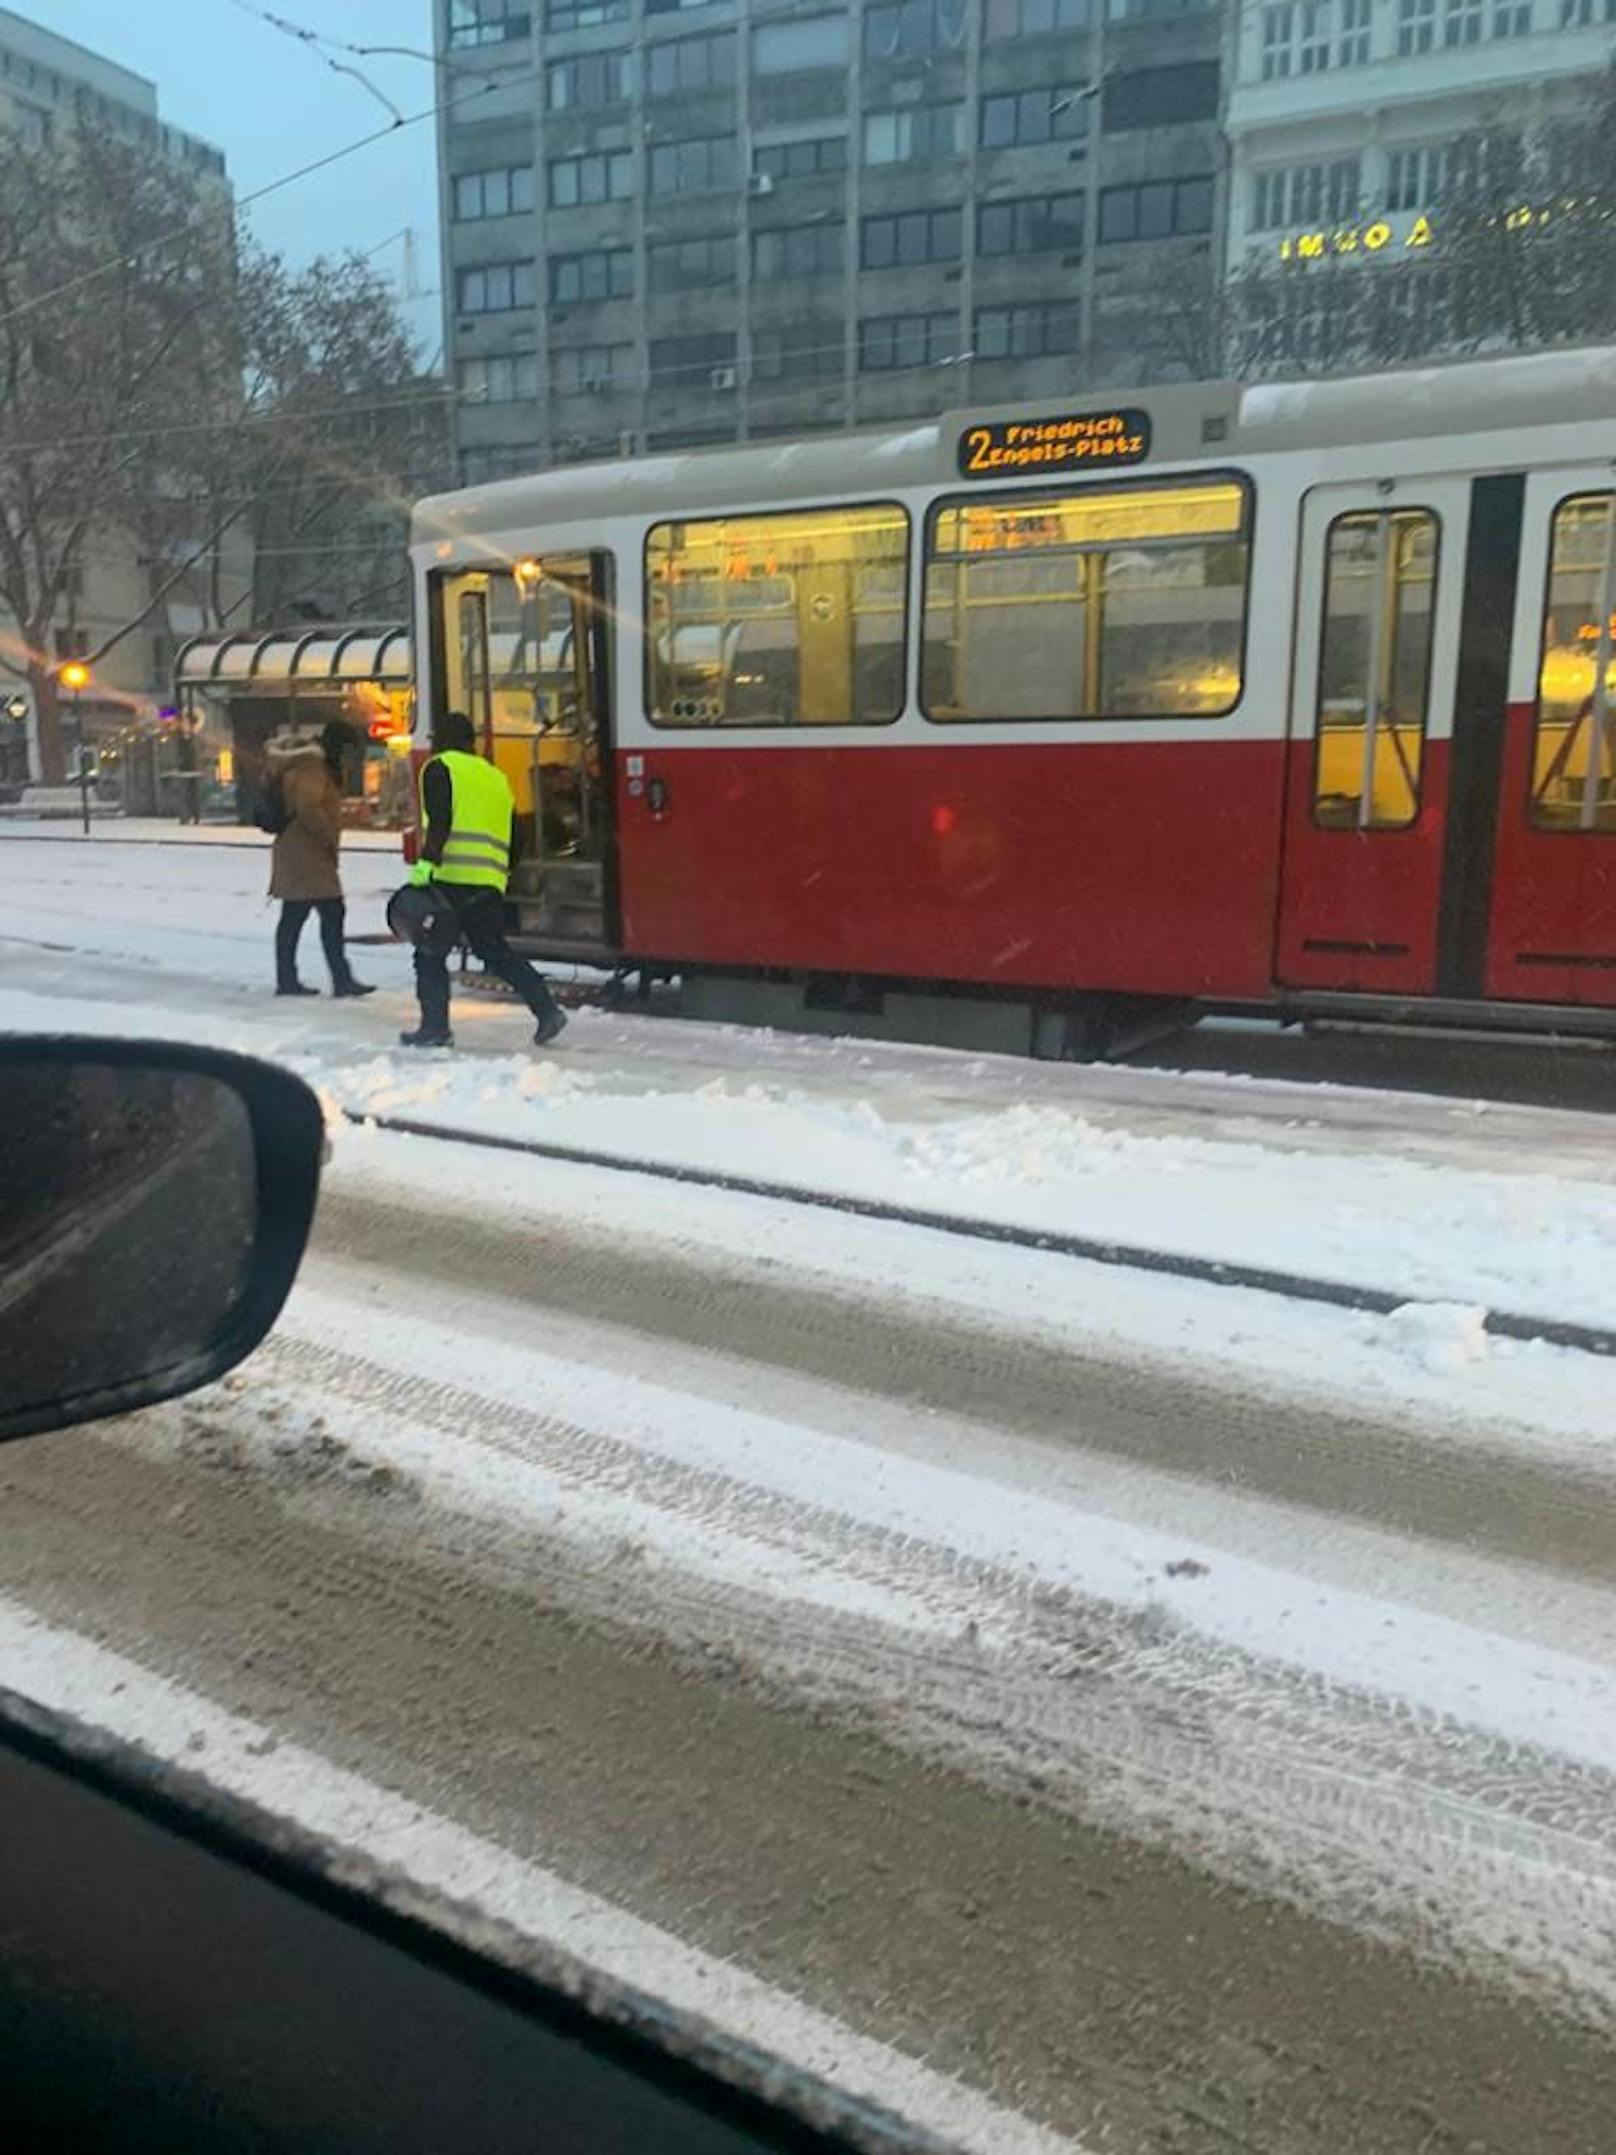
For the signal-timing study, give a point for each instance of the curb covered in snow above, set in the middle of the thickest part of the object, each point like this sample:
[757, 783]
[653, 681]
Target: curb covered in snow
[1210, 1271]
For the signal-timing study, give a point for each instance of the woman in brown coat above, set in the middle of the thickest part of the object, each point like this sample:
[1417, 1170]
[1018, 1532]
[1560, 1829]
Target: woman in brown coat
[303, 869]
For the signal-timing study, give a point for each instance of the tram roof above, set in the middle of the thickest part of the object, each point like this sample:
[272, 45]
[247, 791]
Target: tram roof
[1190, 422]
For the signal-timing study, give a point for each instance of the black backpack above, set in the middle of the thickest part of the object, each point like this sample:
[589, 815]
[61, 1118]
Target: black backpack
[273, 815]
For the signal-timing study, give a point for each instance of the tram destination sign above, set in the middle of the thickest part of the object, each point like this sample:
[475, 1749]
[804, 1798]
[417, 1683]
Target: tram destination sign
[995, 449]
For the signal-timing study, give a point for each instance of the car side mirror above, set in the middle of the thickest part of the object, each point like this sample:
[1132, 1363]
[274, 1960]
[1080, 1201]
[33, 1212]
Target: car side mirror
[154, 1205]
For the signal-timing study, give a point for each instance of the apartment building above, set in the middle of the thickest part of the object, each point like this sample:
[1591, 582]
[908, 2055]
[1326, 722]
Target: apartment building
[672, 224]
[48, 87]
[1344, 116]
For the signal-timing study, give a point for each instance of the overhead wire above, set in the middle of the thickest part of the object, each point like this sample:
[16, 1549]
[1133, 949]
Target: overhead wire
[257, 194]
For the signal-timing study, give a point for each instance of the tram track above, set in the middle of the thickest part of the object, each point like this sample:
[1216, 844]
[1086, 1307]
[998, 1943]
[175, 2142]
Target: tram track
[1182, 1265]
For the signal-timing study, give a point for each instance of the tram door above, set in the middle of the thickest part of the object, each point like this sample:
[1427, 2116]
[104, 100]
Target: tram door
[1553, 928]
[524, 651]
[1380, 588]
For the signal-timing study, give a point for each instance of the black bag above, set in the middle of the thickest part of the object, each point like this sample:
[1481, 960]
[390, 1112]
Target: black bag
[273, 814]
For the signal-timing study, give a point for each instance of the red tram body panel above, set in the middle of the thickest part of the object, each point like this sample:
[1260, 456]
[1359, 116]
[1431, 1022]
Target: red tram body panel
[1146, 870]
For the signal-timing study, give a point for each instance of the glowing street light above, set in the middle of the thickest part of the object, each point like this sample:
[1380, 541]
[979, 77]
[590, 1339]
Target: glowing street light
[75, 675]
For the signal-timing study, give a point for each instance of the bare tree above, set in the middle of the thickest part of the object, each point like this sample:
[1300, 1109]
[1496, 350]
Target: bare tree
[1527, 228]
[113, 264]
[341, 431]
[164, 387]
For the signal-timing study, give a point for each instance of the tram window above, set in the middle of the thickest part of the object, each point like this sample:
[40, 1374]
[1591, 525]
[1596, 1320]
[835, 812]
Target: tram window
[794, 619]
[1574, 758]
[1374, 668]
[510, 643]
[1112, 602]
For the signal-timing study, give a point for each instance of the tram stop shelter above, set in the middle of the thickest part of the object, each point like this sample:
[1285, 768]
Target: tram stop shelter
[249, 689]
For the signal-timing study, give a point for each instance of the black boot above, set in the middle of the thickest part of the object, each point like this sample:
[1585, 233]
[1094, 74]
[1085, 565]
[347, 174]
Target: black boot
[351, 987]
[294, 987]
[425, 1037]
[550, 1027]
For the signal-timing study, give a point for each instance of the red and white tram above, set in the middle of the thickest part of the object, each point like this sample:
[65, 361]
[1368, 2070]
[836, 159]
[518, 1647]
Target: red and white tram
[1284, 696]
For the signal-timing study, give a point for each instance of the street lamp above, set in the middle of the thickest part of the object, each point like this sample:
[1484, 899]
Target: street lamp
[75, 675]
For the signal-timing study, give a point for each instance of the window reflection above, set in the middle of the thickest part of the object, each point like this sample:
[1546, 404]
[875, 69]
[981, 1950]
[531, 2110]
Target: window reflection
[1375, 668]
[1574, 761]
[1110, 603]
[788, 620]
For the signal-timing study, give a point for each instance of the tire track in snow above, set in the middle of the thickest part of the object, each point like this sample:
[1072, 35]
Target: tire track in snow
[1445, 1836]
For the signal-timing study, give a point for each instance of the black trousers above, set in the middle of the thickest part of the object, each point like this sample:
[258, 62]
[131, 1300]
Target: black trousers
[289, 928]
[482, 926]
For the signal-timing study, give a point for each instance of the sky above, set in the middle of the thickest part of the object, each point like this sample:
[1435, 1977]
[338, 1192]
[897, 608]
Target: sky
[272, 104]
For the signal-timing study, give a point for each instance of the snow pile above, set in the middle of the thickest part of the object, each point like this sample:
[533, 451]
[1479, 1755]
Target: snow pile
[1439, 1336]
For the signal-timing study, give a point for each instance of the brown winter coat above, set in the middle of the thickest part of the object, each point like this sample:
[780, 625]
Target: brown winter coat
[304, 863]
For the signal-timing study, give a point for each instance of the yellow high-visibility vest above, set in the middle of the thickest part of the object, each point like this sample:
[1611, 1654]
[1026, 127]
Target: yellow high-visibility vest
[478, 848]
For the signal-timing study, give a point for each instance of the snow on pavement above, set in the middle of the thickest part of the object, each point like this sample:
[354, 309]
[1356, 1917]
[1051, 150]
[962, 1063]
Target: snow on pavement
[1450, 1204]
[399, 1851]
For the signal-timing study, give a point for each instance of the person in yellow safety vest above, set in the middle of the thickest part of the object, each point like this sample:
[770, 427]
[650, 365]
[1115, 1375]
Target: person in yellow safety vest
[466, 818]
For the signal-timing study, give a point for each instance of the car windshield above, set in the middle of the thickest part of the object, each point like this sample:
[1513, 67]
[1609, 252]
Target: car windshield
[908, 708]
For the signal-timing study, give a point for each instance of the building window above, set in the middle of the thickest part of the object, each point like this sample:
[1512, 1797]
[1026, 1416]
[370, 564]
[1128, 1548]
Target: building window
[1574, 764]
[488, 22]
[1160, 97]
[1576, 14]
[683, 264]
[1307, 37]
[584, 14]
[1150, 10]
[503, 192]
[1033, 224]
[903, 29]
[1416, 26]
[592, 369]
[797, 352]
[497, 288]
[34, 125]
[918, 135]
[578, 181]
[1021, 117]
[1374, 668]
[1414, 178]
[1462, 21]
[1304, 194]
[1352, 50]
[896, 343]
[799, 250]
[698, 362]
[778, 161]
[1113, 602]
[793, 48]
[1006, 19]
[605, 273]
[1156, 209]
[1038, 330]
[1313, 36]
[694, 167]
[1278, 32]
[507, 380]
[690, 63]
[913, 237]
[592, 80]
[791, 619]
[500, 460]
[1512, 18]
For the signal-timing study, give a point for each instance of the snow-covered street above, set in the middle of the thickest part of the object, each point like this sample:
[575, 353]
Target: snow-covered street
[1079, 1707]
